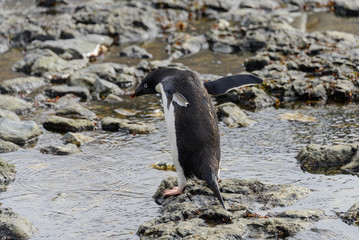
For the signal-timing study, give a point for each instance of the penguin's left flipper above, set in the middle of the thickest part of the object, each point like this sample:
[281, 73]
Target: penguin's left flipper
[172, 95]
[223, 85]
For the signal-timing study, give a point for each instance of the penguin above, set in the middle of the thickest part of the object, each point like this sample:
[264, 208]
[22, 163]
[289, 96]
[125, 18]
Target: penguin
[191, 120]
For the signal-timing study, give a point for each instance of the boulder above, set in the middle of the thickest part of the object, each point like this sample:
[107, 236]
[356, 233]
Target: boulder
[45, 64]
[74, 110]
[62, 90]
[19, 133]
[14, 104]
[197, 213]
[115, 124]
[25, 64]
[14, 226]
[108, 71]
[4, 46]
[351, 216]
[346, 8]
[104, 88]
[9, 114]
[21, 85]
[184, 44]
[6, 146]
[134, 51]
[75, 138]
[83, 79]
[68, 149]
[324, 158]
[7, 173]
[233, 116]
[61, 124]
[76, 48]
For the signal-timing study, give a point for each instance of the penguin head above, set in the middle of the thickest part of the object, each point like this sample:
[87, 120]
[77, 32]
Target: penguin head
[149, 83]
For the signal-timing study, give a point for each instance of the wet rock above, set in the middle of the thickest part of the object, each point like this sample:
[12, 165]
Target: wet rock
[45, 64]
[115, 124]
[62, 90]
[75, 138]
[184, 44]
[49, 3]
[9, 114]
[111, 98]
[256, 63]
[347, 8]
[68, 149]
[104, 88]
[297, 117]
[21, 30]
[4, 45]
[342, 90]
[249, 98]
[7, 173]
[321, 158]
[61, 124]
[196, 213]
[73, 109]
[6, 146]
[261, 4]
[25, 64]
[233, 116]
[21, 85]
[108, 71]
[135, 52]
[83, 79]
[14, 226]
[224, 6]
[20, 133]
[351, 216]
[14, 104]
[76, 48]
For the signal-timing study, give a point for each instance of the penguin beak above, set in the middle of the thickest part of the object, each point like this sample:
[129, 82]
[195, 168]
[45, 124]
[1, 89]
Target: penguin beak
[133, 95]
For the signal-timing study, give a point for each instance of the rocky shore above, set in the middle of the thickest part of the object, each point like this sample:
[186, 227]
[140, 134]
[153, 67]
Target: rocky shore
[66, 71]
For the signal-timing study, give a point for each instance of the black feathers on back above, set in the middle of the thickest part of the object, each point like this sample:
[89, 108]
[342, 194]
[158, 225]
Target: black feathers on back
[223, 85]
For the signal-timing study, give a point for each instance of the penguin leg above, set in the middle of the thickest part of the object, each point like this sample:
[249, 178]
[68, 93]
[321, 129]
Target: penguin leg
[181, 184]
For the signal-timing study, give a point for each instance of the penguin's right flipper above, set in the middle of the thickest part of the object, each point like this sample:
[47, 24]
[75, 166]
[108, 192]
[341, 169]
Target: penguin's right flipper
[223, 85]
[173, 95]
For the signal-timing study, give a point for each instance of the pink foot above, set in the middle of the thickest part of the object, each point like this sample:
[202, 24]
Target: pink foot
[173, 191]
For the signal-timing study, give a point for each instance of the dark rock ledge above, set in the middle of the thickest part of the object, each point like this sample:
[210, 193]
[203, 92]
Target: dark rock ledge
[196, 214]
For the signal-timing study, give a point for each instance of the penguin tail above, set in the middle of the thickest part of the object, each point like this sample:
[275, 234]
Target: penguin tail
[212, 181]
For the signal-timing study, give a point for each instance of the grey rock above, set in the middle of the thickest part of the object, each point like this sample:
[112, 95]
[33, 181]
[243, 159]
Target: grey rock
[104, 88]
[45, 64]
[348, 8]
[4, 46]
[225, 5]
[73, 109]
[68, 149]
[9, 114]
[261, 4]
[6, 146]
[20, 133]
[256, 63]
[14, 226]
[194, 213]
[115, 124]
[14, 104]
[134, 51]
[351, 216]
[75, 138]
[183, 44]
[233, 116]
[342, 90]
[22, 84]
[323, 158]
[61, 124]
[107, 71]
[7, 173]
[62, 90]
[76, 48]
[56, 77]
[25, 64]
[111, 98]
[83, 79]
[49, 3]
[224, 38]
[252, 98]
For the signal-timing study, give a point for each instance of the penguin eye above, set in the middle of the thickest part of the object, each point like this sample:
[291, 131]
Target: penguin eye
[145, 85]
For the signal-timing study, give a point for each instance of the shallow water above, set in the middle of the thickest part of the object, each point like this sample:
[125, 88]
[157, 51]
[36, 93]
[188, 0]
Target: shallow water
[105, 192]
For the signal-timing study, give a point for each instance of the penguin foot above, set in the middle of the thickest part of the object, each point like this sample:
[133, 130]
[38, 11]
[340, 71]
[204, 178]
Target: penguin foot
[173, 191]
